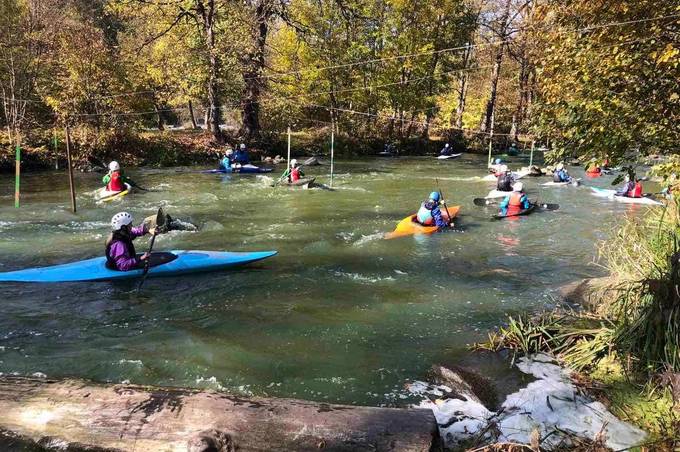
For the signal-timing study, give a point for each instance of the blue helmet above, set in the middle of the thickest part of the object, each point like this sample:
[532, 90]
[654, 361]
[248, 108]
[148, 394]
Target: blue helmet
[434, 196]
[498, 161]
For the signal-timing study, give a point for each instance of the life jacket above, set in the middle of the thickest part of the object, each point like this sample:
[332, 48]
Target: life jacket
[295, 174]
[424, 215]
[636, 191]
[595, 170]
[116, 182]
[118, 237]
[515, 204]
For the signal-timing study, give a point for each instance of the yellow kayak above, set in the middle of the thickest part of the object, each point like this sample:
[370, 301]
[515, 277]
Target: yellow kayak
[410, 226]
[105, 195]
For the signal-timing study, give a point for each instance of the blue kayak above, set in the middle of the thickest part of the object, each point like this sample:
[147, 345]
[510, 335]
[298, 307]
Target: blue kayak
[177, 262]
[243, 169]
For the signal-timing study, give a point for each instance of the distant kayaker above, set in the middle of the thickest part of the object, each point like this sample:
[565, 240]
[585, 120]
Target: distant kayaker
[505, 180]
[512, 150]
[241, 155]
[225, 163]
[495, 166]
[561, 174]
[516, 201]
[429, 213]
[295, 171]
[120, 251]
[446, 150]
[115, 180]
[632, 188]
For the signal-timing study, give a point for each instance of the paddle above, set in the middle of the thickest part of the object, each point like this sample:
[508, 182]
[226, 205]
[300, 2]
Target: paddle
[445, 206]
[134, 184]
[285, 173]
[486, 202]
[160, 222]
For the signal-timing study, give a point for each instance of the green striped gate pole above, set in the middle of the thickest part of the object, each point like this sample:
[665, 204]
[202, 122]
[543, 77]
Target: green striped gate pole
[17, 178]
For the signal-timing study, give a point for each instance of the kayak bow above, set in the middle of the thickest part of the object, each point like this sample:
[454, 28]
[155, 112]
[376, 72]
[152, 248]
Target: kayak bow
[186, 261]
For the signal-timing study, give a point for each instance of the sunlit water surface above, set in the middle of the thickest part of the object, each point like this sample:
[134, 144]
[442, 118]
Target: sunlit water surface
[339, 315]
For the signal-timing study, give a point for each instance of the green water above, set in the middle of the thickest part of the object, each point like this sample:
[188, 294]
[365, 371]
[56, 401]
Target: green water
[339, 315]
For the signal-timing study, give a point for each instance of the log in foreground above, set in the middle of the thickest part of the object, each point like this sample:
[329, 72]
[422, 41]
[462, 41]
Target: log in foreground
[85, 416]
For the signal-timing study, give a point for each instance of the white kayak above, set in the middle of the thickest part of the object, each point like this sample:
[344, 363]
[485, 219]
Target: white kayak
[447, 157]
[105, 195]
[515, 175]
[574, 183]
[611, 194]
[497, 194]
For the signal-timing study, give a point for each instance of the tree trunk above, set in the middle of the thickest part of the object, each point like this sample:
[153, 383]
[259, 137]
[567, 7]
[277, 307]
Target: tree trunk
[208, 15]
[159, 117]
[206, 117]
[462, 93]
[495, 73]
[254, 65]
[191, 114]
[77, 415]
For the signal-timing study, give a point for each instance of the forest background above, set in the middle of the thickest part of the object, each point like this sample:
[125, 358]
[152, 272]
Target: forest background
[172, 81]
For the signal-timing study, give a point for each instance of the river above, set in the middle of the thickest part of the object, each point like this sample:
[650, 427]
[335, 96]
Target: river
[340, 315]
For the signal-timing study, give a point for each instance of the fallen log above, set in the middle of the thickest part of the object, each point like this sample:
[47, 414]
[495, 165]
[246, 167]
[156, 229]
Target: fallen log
[79, 415]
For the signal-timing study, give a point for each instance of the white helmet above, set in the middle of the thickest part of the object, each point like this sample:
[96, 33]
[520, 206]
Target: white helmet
[446, 145]
[518, 186]
[119, 220]
[229, 152]
[114, 166]
[243, 146]
[560, 166]
[504, 168]
[293, 162]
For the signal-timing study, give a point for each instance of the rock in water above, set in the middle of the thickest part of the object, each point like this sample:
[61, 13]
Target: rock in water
[551, 407]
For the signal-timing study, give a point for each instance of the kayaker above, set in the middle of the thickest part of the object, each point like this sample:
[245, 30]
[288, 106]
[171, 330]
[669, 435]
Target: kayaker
[500, 170]
[446, 150]
[225, 163]
[115, 180]
[516, 201]
[631, 189]
[241, 155]
[505, 180]
[512, 150]
[295, 171]
[495, 166]
[429, 213]
[561, 174]
[120, 251]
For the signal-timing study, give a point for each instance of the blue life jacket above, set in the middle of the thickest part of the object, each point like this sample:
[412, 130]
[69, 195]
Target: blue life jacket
[225, 163]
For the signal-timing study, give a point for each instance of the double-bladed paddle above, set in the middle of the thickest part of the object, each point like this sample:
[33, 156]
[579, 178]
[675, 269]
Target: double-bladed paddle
[160, 222]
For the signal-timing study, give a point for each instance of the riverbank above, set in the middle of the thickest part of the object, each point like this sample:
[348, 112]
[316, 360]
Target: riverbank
[183, 147]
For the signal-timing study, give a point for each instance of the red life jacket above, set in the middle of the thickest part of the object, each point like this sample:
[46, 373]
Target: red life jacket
[515, 203]
[636, 192]
[295, 174]
[116, 182]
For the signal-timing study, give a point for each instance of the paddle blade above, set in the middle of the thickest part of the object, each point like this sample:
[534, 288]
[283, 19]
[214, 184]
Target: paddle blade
[482, 202]
[546, 206]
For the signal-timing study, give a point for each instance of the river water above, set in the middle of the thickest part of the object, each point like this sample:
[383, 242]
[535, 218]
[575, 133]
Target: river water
[340, 315]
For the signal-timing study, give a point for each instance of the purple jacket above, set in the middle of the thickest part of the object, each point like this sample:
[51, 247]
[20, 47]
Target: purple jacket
[125, 258]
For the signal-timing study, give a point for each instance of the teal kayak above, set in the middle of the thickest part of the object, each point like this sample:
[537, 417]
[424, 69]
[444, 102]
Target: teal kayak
[177, 262]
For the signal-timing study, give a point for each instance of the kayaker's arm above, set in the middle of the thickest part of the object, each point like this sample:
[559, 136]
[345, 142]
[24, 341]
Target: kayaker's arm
[525, 202]
[107, 178]
[439, 220]
[504, 205]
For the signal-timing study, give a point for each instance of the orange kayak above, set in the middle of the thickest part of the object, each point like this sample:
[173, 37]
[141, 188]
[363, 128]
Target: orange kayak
[409, 225]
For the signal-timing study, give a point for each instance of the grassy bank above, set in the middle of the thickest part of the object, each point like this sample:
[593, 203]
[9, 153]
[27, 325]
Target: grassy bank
[625, 343]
